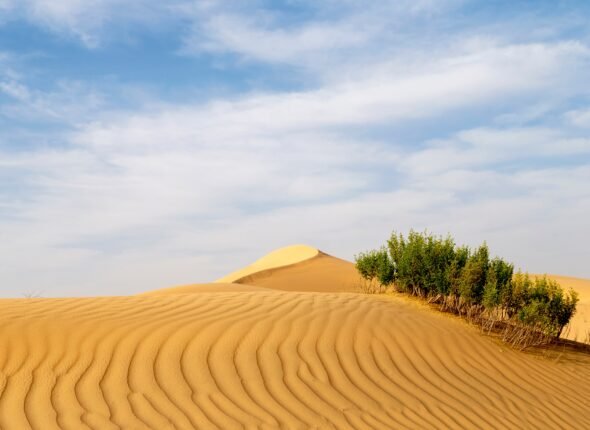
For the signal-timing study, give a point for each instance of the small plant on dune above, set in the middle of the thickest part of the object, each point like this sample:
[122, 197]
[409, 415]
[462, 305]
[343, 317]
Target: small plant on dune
[376, 270]
[467, 282]
[541, 312]
[474, 276]
[421, 262]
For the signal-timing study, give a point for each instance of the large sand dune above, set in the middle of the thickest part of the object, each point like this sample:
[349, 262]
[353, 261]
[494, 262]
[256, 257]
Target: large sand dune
[241, 356]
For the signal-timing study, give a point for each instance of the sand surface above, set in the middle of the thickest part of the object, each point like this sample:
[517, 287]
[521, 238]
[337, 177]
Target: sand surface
[213, 287]
[259, 357]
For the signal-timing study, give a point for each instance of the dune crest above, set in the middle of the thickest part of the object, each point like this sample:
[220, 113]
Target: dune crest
[279, 258]
[321, 273]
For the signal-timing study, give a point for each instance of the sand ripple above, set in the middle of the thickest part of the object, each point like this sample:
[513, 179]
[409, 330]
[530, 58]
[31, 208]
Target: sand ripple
[267, 360]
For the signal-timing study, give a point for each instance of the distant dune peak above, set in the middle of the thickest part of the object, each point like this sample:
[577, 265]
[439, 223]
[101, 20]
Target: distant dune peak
[279, 258]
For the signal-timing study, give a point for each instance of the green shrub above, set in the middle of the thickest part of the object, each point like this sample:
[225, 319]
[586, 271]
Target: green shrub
[375, 266]
[469, 283]
[473, 276]
[438, 256]
[498, 283]
[517, 299]
[547, 307]
[455, 269]
[409, 261]
[421, 262]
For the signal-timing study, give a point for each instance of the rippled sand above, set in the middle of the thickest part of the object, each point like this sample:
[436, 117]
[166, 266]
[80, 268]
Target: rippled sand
[268, 356]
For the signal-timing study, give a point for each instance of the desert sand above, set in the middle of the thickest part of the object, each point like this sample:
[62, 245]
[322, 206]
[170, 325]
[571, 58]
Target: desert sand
[279, 344]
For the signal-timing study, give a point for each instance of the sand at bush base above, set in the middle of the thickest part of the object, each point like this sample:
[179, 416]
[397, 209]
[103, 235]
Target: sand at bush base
[262, 358]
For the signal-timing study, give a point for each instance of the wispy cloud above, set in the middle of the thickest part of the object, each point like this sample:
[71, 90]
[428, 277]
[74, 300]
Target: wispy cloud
[330, 37]
[66, 102]
[254, 39]
[90, 21]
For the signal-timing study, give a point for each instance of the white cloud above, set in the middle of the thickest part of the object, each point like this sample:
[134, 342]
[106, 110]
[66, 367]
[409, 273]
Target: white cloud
[579, 118]
[159, 190]
[67, 102]
[335, 36]
[88, 20]
[490, 147]
[248, 37]
[440, 86]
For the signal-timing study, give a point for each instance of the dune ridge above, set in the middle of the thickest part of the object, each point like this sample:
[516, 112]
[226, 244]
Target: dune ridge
[319, 273]
[268, 360]
[279, 258]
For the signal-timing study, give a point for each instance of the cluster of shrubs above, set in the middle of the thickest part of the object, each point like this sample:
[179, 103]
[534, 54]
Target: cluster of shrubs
[526, 310]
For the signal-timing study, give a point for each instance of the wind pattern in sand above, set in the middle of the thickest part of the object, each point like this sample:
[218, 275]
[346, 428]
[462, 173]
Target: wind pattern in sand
[294, 350]
[267, 360]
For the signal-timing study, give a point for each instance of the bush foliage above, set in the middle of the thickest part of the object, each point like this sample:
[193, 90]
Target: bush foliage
[376, 269]
[528, 310]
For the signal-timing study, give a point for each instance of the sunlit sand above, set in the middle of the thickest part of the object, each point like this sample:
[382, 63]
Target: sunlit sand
[283, 343]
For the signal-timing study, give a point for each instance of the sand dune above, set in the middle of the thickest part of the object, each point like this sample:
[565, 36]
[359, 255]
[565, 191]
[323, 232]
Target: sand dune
[235, 356]
[319, 273]
[279, 258]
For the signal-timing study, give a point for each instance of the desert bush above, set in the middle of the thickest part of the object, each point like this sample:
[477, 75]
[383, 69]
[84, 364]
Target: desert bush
[421, 261]
[547, 306]
[439, 254]
[455, 269]
[408, 259]
[473, 276]
[518, 296]
[467, 282]
[498, 287]
[376, 270]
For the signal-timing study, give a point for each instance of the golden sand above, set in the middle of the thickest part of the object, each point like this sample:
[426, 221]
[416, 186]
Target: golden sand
[221, 356]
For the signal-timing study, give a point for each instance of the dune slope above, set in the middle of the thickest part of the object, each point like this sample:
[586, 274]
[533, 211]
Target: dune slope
[267, 360]
[278, 258]
[320, 273]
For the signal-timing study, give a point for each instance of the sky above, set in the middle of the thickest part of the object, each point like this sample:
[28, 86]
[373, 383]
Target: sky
[149, 144]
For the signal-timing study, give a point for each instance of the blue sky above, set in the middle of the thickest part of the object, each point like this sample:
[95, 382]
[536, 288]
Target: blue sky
[146, 144]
